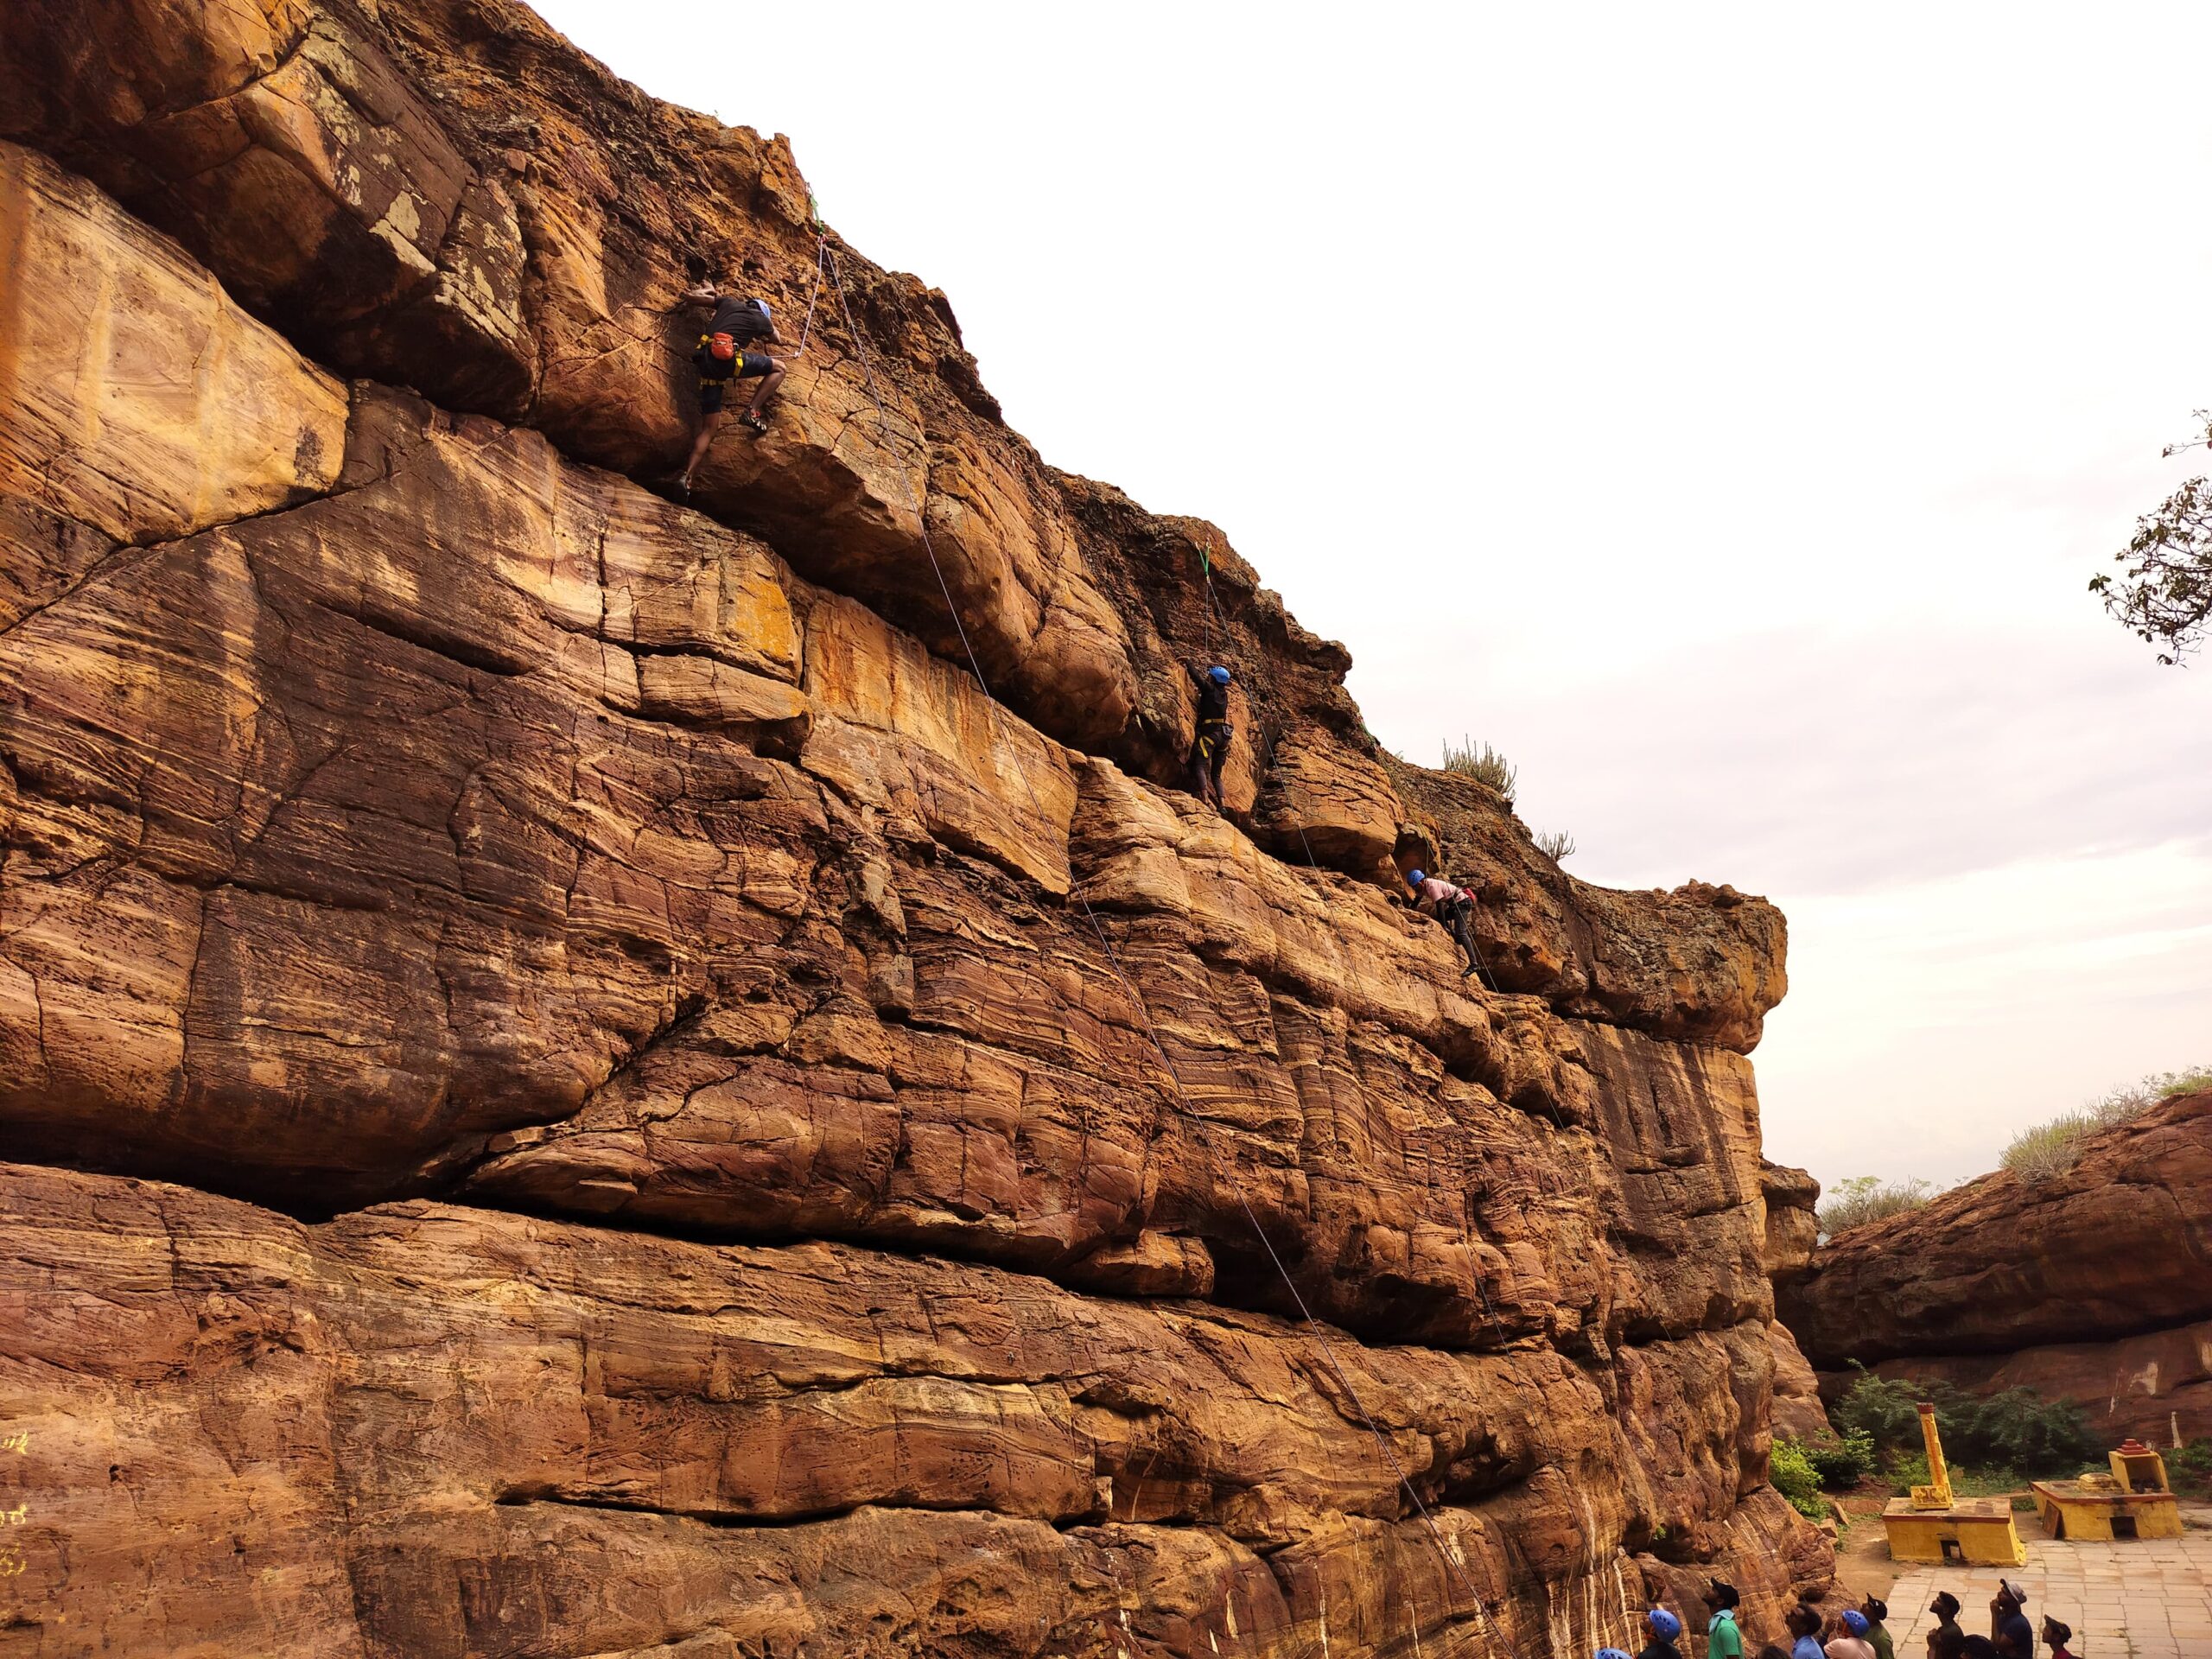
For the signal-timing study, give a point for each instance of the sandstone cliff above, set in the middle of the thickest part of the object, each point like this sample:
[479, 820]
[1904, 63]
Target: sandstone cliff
[2094, 1285]
[576, 1086]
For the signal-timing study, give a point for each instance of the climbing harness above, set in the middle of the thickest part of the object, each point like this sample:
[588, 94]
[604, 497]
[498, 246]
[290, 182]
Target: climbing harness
[1444, 1551]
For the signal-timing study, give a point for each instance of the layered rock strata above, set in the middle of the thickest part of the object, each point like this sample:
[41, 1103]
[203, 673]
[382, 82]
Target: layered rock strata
[576, 1085]
[2095, 1284]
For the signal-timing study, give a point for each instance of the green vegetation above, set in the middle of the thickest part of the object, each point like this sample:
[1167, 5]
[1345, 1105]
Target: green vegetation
[2011, 1435]
[1794, 1476]
[1842, 1463]
[2189, 1467]
[2050, 1148]
[1862, 1198]
[1482, 764]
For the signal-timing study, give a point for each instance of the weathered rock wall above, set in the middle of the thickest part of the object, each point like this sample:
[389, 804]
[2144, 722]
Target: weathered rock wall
[575, 1085]
[2094, 1285]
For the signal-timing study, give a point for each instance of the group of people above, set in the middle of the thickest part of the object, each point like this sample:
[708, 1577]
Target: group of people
[1431, 895]
[1860, 1632]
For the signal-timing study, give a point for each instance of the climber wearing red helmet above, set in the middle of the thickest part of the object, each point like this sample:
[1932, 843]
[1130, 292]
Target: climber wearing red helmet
[723, 357]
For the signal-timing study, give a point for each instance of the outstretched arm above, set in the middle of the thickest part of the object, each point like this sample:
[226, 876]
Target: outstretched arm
[705, 294]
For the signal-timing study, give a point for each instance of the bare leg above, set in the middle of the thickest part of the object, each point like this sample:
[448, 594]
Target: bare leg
[769, 382]
[707, 422]
[1201, 781]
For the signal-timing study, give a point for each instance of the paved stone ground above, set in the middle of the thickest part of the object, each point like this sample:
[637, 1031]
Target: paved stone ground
[2148, 1598]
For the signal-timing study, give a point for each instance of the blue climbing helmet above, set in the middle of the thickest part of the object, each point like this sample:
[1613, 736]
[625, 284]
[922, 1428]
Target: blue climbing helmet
[1217, 673]
[1415, 878]
[1610, 1653]
[1664, 1624]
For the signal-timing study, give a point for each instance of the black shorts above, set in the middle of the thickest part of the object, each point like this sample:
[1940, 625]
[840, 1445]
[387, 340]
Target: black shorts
[1211, 742]
[715, 373]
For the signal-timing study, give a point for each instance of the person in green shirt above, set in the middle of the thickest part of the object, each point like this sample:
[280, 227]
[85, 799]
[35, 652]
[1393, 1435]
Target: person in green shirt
[1722, 1639]
[1878, 1635]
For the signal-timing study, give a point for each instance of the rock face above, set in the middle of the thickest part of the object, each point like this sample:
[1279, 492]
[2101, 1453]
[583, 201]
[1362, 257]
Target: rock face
[2094, 1285]
[575, 1084]
[1792, 1228]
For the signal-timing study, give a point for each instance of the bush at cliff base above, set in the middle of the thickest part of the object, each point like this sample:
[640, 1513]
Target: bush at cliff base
[1843, 1462]
[2189, 1467]
[1795, 1478]
[2017, 1430]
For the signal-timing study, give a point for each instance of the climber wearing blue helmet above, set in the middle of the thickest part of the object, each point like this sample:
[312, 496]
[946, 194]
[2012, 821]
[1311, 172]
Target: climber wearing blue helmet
[1210, 748]
[1665, 1627]
[1611, 1653]
[1453, 907]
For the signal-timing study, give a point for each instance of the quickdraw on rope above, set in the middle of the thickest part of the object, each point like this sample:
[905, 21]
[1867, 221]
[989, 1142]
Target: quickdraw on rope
[1444, 1552]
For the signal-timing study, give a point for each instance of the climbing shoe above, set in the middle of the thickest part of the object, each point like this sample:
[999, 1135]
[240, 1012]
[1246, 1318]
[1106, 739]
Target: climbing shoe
[753, 422]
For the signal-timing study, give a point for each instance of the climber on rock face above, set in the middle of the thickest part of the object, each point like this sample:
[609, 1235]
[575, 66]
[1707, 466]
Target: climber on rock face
[1453, 907]
[1211, 746]
[724, 356]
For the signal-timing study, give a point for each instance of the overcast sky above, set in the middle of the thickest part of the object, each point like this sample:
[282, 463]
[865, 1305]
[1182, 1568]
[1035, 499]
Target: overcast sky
[1719, 409]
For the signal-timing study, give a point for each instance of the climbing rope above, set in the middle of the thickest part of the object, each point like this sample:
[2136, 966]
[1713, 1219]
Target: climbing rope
[820, 257]
[1217, 626]
[1312, 1325]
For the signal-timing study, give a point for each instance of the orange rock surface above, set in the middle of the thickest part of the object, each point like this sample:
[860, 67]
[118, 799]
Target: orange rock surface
[2094, 1284]
[572, 1084]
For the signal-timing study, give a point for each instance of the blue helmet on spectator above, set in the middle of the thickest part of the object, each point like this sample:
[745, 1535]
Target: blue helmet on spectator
[1664, 1624]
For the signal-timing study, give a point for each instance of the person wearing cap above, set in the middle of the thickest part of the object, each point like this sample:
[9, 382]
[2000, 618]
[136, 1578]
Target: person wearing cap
[1453, 907]
[2055, 1635]
[1878, 1631]
[1665, 1627]
[1852, 1643]
[1722, 1639]
[725, 356]
[2009, 1629]
[1210, 748]
[1946, 1639]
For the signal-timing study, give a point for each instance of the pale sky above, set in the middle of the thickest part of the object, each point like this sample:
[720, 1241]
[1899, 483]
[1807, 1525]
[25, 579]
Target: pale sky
[1719, 409]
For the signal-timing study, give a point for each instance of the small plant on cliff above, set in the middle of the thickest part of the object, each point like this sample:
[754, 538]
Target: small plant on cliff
[2164, 593]
[1556, 844]
[1794, 1476]
[1861, 1198]
[2050, 1148]
[1482, 764]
